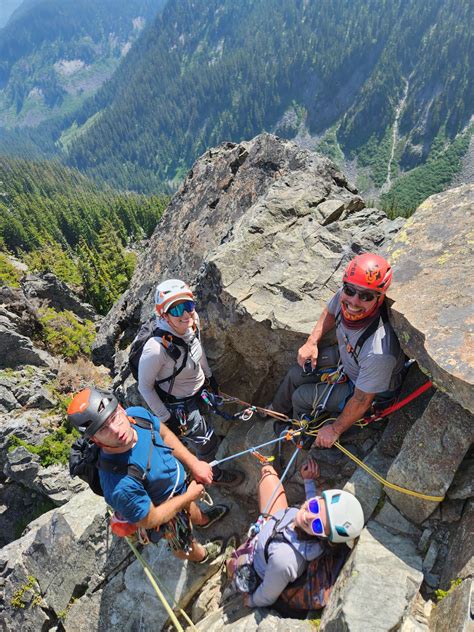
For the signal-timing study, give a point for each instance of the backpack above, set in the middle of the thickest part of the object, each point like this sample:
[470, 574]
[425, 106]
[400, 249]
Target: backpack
[169, 342]
[365, 335]
[85, 462]
[312, 589]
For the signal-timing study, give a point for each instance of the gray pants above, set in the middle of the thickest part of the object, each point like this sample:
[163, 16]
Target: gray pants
[199, 436]
[298, 392]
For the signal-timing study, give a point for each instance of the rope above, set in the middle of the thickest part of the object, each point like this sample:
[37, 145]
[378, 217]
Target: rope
[386, 483]
[280, 482]
[304, 428]
[154, 582]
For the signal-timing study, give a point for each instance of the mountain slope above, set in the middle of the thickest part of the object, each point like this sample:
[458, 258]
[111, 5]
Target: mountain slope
[56, 53]
[7, 8]
[57, 220]
[216, 70]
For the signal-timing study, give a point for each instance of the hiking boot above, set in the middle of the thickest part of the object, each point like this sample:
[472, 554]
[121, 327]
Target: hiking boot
[213, 549]
[224, 478]
[214, 513]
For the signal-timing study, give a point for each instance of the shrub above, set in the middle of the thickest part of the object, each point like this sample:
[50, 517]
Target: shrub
[9, 275]
[63, 334]
[54, 449]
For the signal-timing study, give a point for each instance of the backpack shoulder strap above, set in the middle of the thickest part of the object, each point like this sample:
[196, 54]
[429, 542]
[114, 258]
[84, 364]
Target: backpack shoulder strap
[167, 337]
[136, 472]
[371, 329]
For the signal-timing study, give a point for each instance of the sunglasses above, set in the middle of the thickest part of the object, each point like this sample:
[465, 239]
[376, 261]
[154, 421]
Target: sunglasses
[178, 310]
[364, 295]
[316, 526]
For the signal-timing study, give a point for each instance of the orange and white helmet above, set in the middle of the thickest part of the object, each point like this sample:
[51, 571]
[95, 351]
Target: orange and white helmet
[169, 292]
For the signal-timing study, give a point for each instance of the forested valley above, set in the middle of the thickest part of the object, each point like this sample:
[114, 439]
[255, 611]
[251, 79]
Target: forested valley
[54, 219]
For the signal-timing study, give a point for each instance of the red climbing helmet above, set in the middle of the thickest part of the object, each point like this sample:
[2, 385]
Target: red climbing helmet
[370, 271]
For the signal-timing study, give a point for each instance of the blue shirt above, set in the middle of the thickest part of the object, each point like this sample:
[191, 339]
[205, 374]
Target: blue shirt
[166, 477]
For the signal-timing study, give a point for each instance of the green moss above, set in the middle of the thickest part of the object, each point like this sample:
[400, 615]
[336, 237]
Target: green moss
[64, 335]
[441, 594]
[31, 586]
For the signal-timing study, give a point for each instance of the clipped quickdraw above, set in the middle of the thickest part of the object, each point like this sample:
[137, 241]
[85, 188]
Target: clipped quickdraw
[264, 460]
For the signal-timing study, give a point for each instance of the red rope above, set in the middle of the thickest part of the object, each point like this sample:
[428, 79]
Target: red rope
[391, 409]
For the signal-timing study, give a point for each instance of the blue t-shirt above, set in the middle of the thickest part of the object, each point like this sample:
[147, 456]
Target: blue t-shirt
[166, 477]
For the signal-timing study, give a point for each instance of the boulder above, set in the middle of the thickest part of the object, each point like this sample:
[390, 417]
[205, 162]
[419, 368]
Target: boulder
[46, 287]
[431, 453]
[377, 586]
[52, 563]
[454, 612]
[459, 561]
[18, 350]
[432, 290]
[364, 486]
[235, 617]
[128, 600]
[245, 229]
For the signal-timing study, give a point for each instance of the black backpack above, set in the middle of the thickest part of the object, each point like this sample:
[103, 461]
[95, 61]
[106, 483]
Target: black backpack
[85, 462]
[170, 343]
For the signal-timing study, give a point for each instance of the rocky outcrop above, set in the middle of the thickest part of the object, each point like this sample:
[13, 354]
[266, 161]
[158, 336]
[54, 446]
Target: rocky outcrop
[432, 290]
[47, 288]
[430, 455]
[261, 229]
[54, 562]
[384, 574]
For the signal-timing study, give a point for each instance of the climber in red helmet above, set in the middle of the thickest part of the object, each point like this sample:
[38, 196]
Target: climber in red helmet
[368, 354]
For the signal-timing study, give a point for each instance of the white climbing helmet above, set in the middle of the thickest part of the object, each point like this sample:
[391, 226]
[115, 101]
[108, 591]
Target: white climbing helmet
[345, 515]
[170, 292]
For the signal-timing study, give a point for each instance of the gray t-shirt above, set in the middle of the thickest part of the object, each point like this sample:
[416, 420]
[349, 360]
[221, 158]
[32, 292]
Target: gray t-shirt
[286, 562]
[381, 359]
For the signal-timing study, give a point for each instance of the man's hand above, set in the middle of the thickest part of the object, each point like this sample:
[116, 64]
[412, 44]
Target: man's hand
[326, 438]
[310, 470]
[195, 491]
[202, 472]
[309, 351]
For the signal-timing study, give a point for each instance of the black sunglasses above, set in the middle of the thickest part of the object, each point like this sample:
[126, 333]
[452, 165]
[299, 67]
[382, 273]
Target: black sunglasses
[364, 295]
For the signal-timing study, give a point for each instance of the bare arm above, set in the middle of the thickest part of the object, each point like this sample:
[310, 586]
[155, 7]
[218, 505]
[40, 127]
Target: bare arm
[163, 513]
[353, 410]
[309, 351]
[201, 470]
